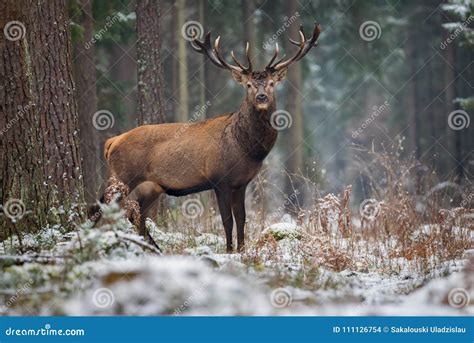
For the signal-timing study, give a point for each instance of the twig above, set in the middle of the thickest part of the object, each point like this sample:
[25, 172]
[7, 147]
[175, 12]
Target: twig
[140, 243]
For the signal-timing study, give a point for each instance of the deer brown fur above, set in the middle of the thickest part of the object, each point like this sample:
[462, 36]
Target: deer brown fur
[222, 154]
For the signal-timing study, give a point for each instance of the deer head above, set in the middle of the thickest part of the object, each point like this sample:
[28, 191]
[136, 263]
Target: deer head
[260, 85]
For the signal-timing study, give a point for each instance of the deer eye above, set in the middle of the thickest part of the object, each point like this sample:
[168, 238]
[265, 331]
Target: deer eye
[270, 83]
[249, 84]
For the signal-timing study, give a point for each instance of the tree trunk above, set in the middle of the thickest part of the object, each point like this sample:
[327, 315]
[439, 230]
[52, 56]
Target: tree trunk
[150, 77]
[413, 102]
[85, 77]
[250, 32]
[41, 167]
[295, 133]
[202, 62]
[174, 62]
[183, 110]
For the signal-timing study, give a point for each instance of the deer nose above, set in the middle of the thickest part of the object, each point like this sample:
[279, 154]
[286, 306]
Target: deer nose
[262, 98]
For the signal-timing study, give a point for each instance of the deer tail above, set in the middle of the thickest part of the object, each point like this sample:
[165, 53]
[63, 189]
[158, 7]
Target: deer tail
[107, 147]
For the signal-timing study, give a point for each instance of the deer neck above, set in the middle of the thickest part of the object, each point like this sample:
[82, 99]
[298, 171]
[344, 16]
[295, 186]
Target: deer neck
[252, 130]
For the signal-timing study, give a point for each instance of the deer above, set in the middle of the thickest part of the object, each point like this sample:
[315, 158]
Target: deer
[222, 154]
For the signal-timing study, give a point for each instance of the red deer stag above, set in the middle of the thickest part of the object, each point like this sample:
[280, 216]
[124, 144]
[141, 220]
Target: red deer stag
[222, 154]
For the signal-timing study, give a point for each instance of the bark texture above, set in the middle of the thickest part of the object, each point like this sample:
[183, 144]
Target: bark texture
[41, 165]
[150, 75]
[85, 78]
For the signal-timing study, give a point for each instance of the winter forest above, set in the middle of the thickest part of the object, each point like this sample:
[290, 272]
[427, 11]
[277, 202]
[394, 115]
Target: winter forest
[246, 157]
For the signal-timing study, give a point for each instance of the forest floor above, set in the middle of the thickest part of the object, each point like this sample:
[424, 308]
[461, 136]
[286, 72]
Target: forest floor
[286, 269]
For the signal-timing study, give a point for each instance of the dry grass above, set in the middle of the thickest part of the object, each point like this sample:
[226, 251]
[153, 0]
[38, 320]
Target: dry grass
[411, 225]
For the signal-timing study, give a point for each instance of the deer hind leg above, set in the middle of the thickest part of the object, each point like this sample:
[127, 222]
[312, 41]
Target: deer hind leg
[224, 201]
[146, 194]
[238, 208]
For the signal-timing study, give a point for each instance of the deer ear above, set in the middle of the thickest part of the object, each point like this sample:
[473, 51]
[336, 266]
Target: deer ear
[239, 77]
[280, 75]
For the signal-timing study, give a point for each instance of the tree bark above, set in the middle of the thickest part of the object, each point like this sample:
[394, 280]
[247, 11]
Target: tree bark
[295, 133]
[85, 77]
[250, 32]
[183, 109]
[150, 75]
[41, 164]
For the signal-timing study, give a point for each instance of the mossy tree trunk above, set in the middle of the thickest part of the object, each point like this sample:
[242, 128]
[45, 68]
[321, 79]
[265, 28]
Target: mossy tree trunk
[41, 167]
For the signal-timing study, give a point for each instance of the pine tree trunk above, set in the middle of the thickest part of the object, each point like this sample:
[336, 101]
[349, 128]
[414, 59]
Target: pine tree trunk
[85, 77]
[250, 33]
[174, 61]
[150, 77]
[41, 164]
[294, 134]
[183, 109]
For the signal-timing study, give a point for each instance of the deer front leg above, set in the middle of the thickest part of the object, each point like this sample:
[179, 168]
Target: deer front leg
[224, 197]
[238, 208]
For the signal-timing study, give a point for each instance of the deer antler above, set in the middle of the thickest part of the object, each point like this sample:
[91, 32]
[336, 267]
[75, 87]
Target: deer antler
[304, 46]
[214, 55]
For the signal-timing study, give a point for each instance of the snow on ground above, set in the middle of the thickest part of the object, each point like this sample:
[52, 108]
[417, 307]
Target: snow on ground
[112, 271]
